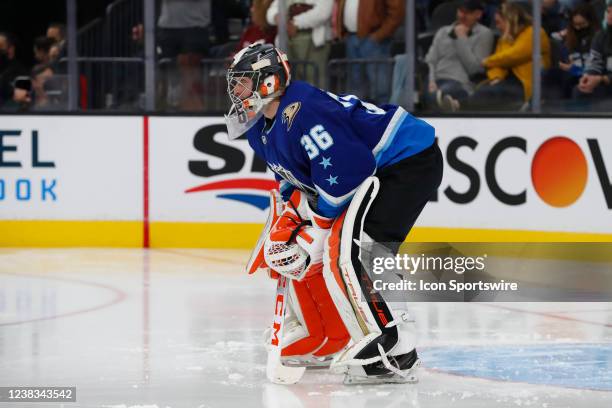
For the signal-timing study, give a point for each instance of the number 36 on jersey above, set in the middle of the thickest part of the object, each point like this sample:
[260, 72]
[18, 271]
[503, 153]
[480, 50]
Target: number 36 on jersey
[317, 140]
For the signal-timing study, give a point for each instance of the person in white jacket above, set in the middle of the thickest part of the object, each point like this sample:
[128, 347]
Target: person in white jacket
[309, 32]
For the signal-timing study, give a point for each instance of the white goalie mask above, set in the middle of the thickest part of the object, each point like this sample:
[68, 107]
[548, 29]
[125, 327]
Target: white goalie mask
[258, 74]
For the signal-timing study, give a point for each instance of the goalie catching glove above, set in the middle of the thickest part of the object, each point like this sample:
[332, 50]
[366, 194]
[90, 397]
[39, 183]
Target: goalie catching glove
[292, 241]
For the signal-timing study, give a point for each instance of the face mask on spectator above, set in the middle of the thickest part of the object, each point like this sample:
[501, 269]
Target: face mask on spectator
[583, 32]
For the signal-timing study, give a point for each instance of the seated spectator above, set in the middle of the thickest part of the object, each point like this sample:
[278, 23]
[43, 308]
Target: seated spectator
[509, 67]
[258, 29]
[368, 27]
[309, 32]
[40, 75]
[576, 44]
[42, 48]
[137, 40]
[455, 56]
[595, 83]
[10, 67]
[36, 98]
[57, 33]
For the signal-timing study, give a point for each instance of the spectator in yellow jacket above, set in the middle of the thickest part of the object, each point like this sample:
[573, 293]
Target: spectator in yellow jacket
[509, 67]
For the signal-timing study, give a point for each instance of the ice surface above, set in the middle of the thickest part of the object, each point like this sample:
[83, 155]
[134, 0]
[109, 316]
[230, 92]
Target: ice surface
[183, 328]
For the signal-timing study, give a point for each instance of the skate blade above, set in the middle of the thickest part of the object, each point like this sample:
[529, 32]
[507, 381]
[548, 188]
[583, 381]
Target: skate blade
[352, 380]
[311, 365]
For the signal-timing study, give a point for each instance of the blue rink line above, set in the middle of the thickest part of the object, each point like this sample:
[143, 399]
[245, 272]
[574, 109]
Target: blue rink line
[575, 365]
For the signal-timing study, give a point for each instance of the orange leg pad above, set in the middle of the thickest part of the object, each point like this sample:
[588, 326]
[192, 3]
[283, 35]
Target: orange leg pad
[321, 318]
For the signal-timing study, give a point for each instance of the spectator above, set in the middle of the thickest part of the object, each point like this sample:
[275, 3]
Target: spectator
[37, 98]
[40, 75]
[509, 68]
[42, 48]
[456, 54]
[10, 67]
[259, 29]
[183, 33]
[309, 32]
[57, 32]
[576, 44]
[131, 76]
[137, 41]
[368, 26]
[595, 83]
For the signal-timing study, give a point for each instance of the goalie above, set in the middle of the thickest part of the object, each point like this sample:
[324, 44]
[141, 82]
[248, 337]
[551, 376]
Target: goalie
[350, 173]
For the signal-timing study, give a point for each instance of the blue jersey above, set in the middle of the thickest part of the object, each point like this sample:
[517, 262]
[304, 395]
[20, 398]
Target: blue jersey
[327, 145]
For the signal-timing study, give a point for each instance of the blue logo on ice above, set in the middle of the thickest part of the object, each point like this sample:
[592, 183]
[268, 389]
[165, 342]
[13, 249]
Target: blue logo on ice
[564, 365]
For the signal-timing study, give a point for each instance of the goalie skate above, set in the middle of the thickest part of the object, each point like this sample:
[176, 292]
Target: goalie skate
[398, 364]
[405, 371]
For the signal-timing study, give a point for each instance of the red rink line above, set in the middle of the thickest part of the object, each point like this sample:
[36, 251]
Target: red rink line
[548, 314]
[196, 256]
[120, 296]
[145, 175]
[583, 311]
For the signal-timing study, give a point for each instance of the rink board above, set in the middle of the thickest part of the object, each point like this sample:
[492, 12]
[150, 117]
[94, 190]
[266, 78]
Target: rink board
[130, 181]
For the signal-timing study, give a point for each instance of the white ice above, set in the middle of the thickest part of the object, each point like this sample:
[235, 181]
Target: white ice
[182, 328]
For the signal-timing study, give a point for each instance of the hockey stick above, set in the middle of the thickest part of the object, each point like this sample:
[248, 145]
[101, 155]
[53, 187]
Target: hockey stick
[275, 370]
